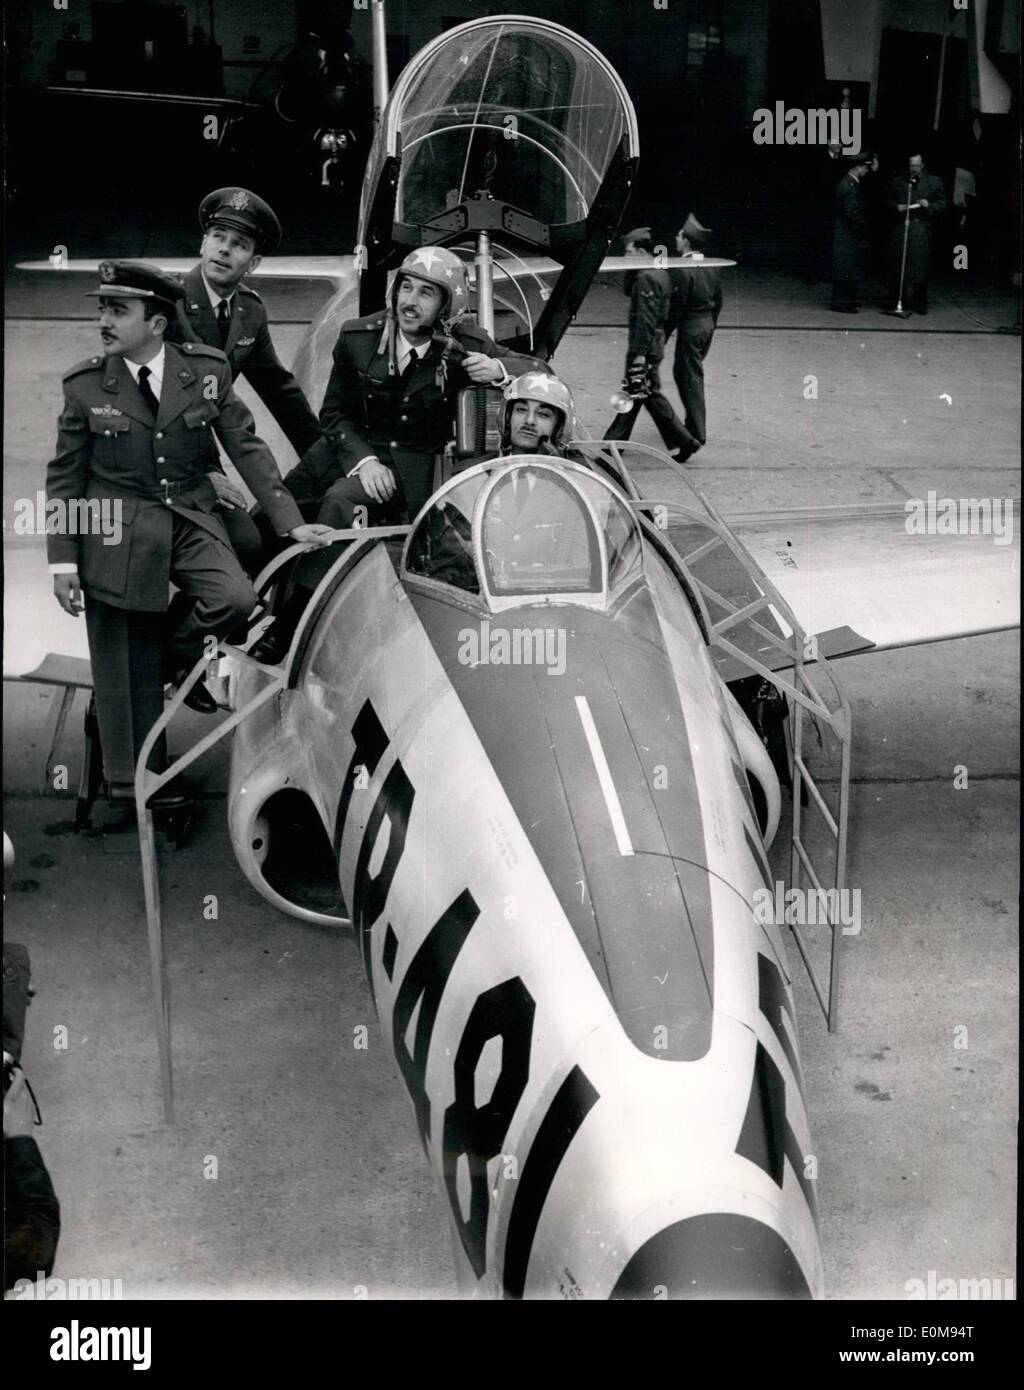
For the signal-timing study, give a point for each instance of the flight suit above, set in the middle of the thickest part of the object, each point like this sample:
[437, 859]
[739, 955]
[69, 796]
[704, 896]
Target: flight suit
[109, 447]
[405, 422]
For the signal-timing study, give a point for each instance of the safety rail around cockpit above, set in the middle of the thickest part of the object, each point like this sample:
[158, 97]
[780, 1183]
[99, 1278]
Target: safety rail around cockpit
[753, 631]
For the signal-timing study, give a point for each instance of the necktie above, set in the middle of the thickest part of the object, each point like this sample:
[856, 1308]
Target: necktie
[223, 321]
[147, 392]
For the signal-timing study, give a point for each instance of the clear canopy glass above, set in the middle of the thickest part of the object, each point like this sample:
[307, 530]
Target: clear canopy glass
[521, 108]
[525, 528]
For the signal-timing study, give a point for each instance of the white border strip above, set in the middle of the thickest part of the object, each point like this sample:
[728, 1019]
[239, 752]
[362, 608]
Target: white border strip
[604, 776]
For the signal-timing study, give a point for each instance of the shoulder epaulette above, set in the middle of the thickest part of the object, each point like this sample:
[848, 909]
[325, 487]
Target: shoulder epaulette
[372, 323]
[201, 350]
[91, 364]
[248, 289]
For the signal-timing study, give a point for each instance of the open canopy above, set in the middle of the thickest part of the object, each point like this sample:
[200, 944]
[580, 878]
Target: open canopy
[513, 126]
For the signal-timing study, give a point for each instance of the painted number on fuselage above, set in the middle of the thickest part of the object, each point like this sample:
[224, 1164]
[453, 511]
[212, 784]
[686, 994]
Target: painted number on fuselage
[472, 1134]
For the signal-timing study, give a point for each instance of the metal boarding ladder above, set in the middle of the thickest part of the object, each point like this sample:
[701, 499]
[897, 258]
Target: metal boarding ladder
[147, 782]
[817, 697]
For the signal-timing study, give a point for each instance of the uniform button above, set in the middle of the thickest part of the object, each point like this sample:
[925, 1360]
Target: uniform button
[161, 459]
[159, 434]
[393, 444]
[107, 432]
[403, 418]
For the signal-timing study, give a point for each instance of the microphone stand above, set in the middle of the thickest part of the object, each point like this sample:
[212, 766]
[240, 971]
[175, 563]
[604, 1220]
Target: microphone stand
[899, 312]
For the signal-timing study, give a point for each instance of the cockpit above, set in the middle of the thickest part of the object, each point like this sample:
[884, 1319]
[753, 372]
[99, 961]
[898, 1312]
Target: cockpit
[526, 530]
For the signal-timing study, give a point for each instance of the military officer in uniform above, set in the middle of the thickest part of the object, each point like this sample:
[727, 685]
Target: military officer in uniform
[221, 310]
[390, 401]
[389, 410]
[650, 305]
[696, 305]
[136, 435]
[851, 236]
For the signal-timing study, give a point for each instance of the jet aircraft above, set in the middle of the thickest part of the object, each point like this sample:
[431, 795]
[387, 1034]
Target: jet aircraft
[504, 752]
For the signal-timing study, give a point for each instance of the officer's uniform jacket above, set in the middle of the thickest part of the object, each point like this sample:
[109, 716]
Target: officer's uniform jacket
[696, 294]
[109, 447]
[250, 351]
[649, 302]
[404, 423]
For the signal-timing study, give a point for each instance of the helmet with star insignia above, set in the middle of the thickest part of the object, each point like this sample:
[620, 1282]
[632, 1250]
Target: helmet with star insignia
[547, 390]
[443, 268]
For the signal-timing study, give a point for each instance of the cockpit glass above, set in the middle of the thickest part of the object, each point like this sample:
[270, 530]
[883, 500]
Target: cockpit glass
[544, 529]
[523, 112]
[538, 537]
[442, 544]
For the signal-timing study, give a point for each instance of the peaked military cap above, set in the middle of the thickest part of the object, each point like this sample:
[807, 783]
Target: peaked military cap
[244, 212]
[137, 280]
[695, 231]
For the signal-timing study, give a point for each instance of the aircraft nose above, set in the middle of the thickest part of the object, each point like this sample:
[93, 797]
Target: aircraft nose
[716, 1255]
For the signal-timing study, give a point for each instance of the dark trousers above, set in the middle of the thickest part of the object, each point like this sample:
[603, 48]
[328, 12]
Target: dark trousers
[693, 342]
[126, 650]
[207, 572]
[915, 294]
[244, 535]
[845, 294]
[674, 433]
[133, 653]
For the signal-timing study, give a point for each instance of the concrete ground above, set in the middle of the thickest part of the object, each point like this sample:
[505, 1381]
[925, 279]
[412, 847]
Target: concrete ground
[293, 1170]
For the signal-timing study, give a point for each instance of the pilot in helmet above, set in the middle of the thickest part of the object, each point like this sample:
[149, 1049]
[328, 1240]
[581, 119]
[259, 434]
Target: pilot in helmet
[537, 415]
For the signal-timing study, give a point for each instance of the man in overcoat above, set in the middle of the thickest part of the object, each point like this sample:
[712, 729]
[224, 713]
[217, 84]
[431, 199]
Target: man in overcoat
[851, 235]
[923, 195]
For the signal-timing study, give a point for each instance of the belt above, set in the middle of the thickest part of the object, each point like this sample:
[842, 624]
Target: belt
[168, 491]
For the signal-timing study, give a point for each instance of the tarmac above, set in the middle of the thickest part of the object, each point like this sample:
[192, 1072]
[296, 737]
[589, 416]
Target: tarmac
[294, 1170]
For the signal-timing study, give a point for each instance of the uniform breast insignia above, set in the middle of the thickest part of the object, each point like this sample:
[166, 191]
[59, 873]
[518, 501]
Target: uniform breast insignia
[106, 411]
[239, 200]
[245, 342]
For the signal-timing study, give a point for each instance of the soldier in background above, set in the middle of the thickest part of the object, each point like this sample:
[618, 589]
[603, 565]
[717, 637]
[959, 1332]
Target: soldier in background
[696, 305]
[851, 235]
[650, 305]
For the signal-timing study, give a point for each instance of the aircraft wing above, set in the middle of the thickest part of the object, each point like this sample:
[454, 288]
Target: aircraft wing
[36, 629]
[859, 569]
[339, 270]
